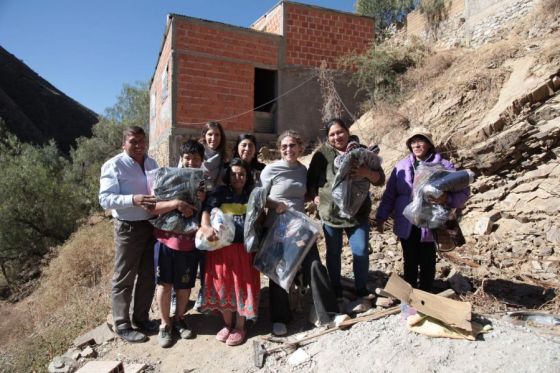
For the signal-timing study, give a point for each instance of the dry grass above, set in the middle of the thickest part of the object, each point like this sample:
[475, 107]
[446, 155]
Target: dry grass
[382, 119]
[548, 10]
[73, 297]
[432, 67]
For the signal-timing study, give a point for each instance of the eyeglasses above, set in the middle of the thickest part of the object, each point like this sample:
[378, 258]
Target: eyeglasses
[286, 146]
[418, 142]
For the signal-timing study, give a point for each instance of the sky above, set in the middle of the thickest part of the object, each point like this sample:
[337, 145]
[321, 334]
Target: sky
[89, 49]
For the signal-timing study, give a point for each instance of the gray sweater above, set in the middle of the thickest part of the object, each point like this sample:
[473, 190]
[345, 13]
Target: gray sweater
[287, 184]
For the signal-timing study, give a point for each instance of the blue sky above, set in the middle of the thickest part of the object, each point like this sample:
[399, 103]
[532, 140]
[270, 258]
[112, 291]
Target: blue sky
[89, 49]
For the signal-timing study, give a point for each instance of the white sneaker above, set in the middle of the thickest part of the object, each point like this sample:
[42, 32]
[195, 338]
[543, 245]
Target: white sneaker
[279, 329]
[358, 306]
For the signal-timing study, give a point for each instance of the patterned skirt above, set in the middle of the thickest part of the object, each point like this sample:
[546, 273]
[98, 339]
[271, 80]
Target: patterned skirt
[231, 282]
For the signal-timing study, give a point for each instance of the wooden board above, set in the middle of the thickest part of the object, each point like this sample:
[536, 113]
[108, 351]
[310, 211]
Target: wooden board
[452, 312]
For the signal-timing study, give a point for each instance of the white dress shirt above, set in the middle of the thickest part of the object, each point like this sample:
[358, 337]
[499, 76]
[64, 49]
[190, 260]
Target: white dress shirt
[122, 178]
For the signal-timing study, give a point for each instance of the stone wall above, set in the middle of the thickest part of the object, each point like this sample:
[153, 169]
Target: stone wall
[472, 23]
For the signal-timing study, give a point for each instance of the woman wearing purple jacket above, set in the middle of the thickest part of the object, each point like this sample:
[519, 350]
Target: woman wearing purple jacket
[419, 250]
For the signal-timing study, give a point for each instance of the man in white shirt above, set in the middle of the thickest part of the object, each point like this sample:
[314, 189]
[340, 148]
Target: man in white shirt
[124, 190]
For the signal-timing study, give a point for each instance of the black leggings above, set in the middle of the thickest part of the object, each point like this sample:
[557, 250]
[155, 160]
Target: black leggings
[419, 254]
[315, 275]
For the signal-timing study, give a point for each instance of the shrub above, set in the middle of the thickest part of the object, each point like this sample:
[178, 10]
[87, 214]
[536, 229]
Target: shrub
[385, 12]
[435, 12]
[377, 70]
[39, 208]
[132, 108]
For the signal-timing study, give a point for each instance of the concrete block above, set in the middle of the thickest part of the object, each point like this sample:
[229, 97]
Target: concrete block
[96, 336]
[102, 367]
[134, 368]
[483, 226]
[62, 364]
[88, 352]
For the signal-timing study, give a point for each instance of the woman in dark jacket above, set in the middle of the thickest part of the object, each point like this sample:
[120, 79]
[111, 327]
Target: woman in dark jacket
[419, 250]
[320, 177]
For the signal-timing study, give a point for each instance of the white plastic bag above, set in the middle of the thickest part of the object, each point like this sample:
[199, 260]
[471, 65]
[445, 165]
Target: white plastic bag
[183, 183]
[252, 230]
[285, 245]
[223, 226]
[431, 180]
[350, 193]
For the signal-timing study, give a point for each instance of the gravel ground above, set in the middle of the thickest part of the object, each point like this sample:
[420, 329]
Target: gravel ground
[387, 345]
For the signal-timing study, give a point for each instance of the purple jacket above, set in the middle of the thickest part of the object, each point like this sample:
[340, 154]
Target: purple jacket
[398, 194]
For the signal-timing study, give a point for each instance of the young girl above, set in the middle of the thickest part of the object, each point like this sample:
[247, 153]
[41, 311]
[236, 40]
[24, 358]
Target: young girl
[214, 141]
[231, 283]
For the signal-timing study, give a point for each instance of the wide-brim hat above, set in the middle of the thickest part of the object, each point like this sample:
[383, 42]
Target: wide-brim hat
[419, 132]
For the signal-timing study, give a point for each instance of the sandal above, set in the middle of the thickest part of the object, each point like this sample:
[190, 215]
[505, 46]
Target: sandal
[223, 334]
[236, 337]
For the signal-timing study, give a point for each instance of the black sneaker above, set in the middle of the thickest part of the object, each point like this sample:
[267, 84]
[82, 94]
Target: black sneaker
[183, 328]
[132, 336]
[164, 336]
[147, 326]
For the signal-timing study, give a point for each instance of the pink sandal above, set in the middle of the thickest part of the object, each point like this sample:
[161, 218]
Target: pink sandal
[236, 337]
[223, 335]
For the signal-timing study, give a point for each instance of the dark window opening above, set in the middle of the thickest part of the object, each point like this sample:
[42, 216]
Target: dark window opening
[265, 89]
[265, 106]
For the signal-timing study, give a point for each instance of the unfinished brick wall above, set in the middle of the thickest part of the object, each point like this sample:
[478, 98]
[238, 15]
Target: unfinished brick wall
[416, 23]
[271, 22]
[160, 109]
[215, 71]
[314, 34]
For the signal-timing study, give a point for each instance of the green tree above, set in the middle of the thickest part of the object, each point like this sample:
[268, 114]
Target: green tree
[377, 71]
[435, 12]
[39, 208]
[385, 12]
[132, 108]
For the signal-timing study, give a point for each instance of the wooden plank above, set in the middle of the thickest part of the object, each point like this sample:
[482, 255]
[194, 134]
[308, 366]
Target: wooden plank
[452, 312]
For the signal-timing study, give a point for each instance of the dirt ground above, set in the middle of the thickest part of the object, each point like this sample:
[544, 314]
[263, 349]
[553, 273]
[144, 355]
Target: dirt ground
[384, 345]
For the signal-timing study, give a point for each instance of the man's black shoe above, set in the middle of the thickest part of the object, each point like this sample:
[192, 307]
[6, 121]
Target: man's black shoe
[132, 336]
[147, 326]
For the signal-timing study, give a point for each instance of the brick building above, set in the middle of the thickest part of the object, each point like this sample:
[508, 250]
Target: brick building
[213, 71]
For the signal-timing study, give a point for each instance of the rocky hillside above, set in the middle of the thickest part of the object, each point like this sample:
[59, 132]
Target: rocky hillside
[36, 111]
[494, 110]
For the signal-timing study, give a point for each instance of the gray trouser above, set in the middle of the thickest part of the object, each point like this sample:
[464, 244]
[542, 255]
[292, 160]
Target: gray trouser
[134, 260]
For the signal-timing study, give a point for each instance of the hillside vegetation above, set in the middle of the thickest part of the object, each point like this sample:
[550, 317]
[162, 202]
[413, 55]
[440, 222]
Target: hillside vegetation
[484, 108]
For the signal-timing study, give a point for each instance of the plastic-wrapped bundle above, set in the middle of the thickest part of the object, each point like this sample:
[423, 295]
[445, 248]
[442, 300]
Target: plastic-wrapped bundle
[223, 226]
[447, 181]
[181, 183]
[431, 180]
[285, 246]
[350, 193]
[252, 231]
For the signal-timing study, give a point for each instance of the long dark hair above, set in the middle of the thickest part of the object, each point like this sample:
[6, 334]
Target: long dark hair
[334, 121]
[215, 125]
[249, 182]
[254, 164]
